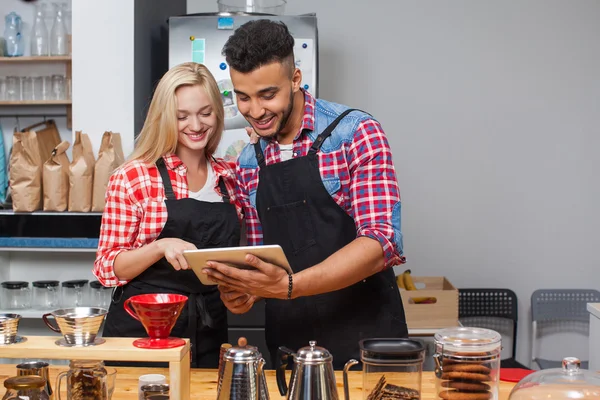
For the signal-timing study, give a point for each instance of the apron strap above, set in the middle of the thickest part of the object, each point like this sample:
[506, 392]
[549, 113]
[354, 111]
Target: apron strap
[224, 192]
[164, 174]
[316, 146]
[260, 157]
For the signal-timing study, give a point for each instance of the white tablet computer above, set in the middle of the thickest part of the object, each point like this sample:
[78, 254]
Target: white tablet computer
[235, 257]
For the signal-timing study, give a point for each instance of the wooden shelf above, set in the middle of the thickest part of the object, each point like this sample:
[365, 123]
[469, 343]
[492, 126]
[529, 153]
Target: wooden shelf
[34, 59]
[36, 103]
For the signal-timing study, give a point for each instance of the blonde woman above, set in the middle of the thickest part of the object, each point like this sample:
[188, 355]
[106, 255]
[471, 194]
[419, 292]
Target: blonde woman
[172, 195]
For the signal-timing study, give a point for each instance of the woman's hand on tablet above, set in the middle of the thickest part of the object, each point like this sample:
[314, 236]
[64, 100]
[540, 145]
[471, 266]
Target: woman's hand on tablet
[172, 250]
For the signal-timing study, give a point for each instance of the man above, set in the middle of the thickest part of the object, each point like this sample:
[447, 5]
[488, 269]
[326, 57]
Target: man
[320, 183]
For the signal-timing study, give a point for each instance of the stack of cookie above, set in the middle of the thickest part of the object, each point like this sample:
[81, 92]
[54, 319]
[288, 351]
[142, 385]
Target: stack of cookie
[388, 391]
[465, 381]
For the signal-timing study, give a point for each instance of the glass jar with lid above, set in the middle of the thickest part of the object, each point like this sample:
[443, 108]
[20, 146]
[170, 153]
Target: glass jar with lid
[29, 387]
[390, 367]
[568, 382]
[86, 379]
[100, 296]
[74, 293]
[467, 360]
[46, 294]
[16, 295]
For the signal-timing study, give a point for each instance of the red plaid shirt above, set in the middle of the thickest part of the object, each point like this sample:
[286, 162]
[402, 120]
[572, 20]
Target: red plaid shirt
[368, 179]
[135, 211]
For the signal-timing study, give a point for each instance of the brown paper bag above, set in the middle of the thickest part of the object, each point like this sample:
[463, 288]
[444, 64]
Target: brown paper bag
[25, 174]
[81, 174]
[55, 179]
[110, 157]
[48, 137]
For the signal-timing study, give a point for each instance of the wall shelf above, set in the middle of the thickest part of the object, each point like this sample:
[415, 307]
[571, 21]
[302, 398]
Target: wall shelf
[33, 59]
[36, 103]
[81, 245]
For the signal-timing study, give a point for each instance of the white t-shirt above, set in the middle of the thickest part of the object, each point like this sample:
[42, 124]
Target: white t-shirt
[208, 193]
[287, 151]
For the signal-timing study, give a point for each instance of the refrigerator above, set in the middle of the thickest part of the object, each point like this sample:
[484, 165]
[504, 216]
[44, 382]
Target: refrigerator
[201, 37]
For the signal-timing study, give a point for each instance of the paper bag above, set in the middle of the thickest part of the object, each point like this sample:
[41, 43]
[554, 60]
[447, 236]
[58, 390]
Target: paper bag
[81, 174]
[48, 137]
[55, 179]
[25, 173]
[110, 157]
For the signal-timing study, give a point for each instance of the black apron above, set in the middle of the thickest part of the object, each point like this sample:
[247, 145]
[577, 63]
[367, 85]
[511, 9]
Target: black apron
[204, 318]
[297, 212]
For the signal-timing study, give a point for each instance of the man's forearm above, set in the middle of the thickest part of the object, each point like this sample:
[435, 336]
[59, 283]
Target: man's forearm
[356, 261]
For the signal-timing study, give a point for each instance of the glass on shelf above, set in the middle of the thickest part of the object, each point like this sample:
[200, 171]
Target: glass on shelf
[39, 32]
[58, 33]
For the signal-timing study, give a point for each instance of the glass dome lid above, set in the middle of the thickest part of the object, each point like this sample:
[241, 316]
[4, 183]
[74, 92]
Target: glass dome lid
[568, 382]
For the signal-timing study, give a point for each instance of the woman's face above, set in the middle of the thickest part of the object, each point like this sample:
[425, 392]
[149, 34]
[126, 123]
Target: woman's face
[196, 120]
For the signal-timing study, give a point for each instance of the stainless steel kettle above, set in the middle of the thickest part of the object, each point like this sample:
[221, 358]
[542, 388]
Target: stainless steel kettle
[312, 375]
[242, 377]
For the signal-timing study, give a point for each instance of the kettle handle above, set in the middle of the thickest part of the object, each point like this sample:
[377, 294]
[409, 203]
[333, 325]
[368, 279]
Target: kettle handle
[283, 360]
[347, 367]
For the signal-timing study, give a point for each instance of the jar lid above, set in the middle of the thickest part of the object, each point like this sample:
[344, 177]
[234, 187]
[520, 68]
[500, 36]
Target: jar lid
[45, 284]
[98, 285]
[24, 382]
[242, 354]
[391, 350]
[568, 382]
[75, 283]
[15, 284]
[467, 339]
[313, 354]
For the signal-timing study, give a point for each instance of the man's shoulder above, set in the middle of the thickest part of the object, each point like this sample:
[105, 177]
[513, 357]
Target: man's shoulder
[326, 112]
[247, 158]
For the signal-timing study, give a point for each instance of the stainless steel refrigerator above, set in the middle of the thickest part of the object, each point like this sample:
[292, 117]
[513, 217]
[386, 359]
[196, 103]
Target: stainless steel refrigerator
[201, 37]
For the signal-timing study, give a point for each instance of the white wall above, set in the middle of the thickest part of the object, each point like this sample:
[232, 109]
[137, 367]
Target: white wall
[491, 108]
[103, 96]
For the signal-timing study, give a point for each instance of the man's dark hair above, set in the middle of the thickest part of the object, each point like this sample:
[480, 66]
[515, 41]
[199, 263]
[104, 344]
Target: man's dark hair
[257, 43]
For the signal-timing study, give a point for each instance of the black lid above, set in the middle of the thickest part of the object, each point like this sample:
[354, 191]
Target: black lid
[75, 283]
[45, 284]
[391, 350]
[98, 285]
[15, 284]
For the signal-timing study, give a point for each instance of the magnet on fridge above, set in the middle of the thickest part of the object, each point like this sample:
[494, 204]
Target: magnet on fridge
[225, 23]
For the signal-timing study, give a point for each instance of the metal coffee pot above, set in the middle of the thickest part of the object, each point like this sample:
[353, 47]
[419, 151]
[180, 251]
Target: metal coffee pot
[312, 375]
[242, 376]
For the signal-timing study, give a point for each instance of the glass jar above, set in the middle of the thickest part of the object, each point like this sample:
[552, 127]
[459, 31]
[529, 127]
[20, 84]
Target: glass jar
[74, 293]
[568, 382]
[86, 379]
[29, 387]
[16, 295]
[467, 360]
[46, 295]
[100, 296]
[390, 366]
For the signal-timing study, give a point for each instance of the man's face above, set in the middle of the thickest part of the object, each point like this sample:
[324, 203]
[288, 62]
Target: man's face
[265, 96]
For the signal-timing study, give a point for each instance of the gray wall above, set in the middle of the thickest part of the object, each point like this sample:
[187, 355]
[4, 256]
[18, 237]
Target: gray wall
[492, 109]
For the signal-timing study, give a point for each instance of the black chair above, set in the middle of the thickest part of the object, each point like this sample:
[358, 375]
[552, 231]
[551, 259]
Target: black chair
[493, 309]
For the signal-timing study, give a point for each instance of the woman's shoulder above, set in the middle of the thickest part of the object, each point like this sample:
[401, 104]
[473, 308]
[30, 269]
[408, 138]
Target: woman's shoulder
[135, 172]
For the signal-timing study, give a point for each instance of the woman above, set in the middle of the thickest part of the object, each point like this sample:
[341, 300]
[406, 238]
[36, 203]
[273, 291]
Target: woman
[172, 195]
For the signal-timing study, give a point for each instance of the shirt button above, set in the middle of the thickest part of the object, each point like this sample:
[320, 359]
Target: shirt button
[295, 154]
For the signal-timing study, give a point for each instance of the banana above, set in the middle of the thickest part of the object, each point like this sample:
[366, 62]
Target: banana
[400, 281]
[408, 281]
[423, 300]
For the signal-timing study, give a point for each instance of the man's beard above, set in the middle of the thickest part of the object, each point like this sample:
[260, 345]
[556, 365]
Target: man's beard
[284, 119]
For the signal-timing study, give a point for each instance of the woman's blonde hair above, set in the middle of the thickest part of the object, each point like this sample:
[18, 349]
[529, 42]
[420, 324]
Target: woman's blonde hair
[160, 133]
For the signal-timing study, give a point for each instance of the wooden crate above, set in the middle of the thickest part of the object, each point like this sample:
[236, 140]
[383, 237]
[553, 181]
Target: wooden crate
[441, 314]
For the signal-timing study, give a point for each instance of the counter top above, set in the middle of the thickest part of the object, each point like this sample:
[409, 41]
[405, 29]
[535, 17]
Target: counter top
[204, 382]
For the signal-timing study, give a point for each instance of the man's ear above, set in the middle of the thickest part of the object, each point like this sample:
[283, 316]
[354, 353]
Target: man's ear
[296, 79]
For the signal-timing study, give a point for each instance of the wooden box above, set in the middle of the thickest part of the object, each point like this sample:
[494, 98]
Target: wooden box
[441, 314]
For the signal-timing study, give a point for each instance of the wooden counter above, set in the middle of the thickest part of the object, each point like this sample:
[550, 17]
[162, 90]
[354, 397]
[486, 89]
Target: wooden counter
[204, 383]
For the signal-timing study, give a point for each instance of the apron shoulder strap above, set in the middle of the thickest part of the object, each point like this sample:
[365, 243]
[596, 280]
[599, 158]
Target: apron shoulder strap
[316, 146]
[260, 157]
[164, 174]
[224, 192]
